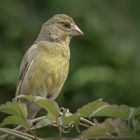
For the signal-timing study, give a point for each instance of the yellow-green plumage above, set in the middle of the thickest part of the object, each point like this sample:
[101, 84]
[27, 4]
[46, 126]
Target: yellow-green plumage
[49, 71]
[45, 65]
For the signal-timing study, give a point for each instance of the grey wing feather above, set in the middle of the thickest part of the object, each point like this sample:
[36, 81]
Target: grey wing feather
[25, 64]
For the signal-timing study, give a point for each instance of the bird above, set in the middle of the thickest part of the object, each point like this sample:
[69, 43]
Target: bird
[45, 65]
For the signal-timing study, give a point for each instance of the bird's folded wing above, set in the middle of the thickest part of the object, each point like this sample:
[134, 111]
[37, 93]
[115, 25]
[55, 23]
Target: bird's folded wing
[26, 63]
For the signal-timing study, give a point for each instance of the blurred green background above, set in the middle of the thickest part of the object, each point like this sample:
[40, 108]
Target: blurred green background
[105, 62]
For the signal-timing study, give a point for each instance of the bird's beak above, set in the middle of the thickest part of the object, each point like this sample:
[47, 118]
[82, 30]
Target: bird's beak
[75, 31]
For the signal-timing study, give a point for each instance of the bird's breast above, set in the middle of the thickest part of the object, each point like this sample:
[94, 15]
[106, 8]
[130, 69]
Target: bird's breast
[49, 75]
[56, 72]
[48, 72]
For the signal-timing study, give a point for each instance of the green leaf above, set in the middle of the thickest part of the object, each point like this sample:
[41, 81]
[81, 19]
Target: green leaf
[23, 111]
[122, 112]
[43, 123]
[30, 97]
[13, 120]
[90, 108]
[15, 108]
[102, 129]
[100, 108]
[50, 106]
[70, 119]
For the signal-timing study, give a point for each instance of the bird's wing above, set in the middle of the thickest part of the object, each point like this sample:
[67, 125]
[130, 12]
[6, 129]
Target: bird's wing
[26, 63]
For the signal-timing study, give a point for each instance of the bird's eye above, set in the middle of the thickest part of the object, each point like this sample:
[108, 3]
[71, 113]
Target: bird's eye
[67, 25]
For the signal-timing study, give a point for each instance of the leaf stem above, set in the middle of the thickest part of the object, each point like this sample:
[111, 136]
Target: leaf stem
[84, 125]
[87, 122]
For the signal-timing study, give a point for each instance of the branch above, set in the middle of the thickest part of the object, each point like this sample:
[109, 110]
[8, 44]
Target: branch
[4, 130]
[21, 133]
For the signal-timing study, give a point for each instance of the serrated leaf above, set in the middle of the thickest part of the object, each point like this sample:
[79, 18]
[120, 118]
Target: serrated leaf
[88, 109]
[43, 123]
[122, 112]
[13, 120]
[10, 108]
[23, 111]
[50, 106]
[102, 129]
[15, 108]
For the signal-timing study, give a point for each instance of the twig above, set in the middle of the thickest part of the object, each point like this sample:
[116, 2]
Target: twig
[18, 133]
[38, 119]
[21, 133]
[14, 134]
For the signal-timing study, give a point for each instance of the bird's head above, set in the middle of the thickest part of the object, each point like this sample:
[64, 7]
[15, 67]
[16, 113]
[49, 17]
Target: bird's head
[59, 28]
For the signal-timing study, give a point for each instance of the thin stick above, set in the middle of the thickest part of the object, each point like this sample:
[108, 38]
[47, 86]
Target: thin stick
[21, 133]
[38, 119]
[14, 134]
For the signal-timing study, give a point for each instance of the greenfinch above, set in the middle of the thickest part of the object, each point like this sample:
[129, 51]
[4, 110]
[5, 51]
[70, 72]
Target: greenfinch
[45, 65]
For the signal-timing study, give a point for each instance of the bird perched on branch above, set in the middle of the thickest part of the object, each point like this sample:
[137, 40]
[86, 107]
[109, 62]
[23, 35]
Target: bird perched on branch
[45, 65]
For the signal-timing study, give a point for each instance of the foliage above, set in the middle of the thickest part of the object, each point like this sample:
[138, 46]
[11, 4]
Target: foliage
[95, 119]
[105, 62]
